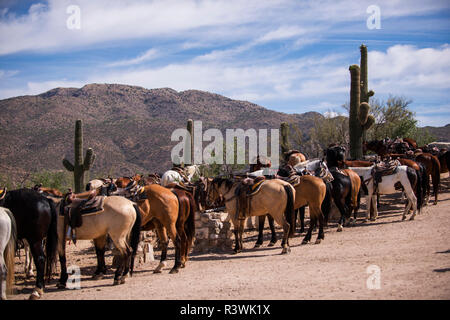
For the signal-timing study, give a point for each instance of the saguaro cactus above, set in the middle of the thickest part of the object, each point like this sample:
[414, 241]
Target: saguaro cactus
[80, 165]
[359, 120]
[365, 93]
[284, 129]
[190, 144]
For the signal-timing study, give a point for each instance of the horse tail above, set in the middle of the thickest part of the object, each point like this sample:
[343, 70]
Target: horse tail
[189, 226]
[436, 174]
[134, 236]
[419, 191]
[10, 251]
[363, 186]
[289, 211]
[326, 203]
[51, 242]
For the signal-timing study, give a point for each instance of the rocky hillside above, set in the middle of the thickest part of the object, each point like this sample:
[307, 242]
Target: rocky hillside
[128, 127]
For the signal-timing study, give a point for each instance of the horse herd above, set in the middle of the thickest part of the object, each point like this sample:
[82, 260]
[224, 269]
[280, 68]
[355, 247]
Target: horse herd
[118, 210]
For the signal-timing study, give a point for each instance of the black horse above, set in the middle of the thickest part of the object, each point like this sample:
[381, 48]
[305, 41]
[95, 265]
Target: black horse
[36, 220]
[341, 185]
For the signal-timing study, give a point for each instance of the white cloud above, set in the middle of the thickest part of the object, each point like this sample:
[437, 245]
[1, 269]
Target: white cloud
[146, 56]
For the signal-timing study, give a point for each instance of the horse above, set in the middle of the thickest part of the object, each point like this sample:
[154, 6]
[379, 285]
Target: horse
[177, 174]
[444, 160]
[8, 236]
[186, 220]
[151, 178]
[36, 220]
[274, 197]
[97, 183]
[412, 143]
[265, 163]
[120, 219]
[408, 179]
[123, 182]
[433, 169]
[48, 192]
[377, 146]
[294, 157]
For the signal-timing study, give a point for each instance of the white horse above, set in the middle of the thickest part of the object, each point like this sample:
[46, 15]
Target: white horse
[7, 250]
[387, 186]
[172, 176]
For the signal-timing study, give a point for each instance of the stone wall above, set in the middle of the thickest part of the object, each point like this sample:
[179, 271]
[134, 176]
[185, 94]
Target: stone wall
[213, 232]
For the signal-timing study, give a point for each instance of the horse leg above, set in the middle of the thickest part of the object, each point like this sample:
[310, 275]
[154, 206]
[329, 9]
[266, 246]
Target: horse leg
[312, 225]
[172, 231]
[100, 246]
[261, 221]
[321, 235]
[163, 242]
[28, 260]
[435, 188]
[39, 261]
[272, 230]
[281, 220]
[302, 219]
[3, 276]
[340, 204]
[375, 209]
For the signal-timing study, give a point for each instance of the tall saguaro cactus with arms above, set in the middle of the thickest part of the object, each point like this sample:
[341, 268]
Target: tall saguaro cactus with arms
[359, 120]
[284, 130]
[80, 165]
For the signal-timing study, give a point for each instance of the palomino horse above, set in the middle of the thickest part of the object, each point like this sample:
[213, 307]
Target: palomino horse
[97, 183]
[274, 197]
[407, 178]
[36, 220]
[120, 219]
[8, 236]
[177, 175]
[294, 157]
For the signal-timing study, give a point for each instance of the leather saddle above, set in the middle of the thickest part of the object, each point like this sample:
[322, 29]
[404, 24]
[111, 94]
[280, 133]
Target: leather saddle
[384, 169]
[77, 205]
[244, 191]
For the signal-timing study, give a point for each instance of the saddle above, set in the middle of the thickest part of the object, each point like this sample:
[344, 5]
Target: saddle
[181, 172]
[383, 169]
[74, 206]
[244, 191]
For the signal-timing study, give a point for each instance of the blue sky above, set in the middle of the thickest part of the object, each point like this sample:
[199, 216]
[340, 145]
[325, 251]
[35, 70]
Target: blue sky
[289, 56]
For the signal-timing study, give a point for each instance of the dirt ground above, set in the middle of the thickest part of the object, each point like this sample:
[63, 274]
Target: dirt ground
[413, 258]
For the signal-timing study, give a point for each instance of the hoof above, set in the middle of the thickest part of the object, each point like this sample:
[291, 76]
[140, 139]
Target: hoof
[36, 294]
[61, 285]
[271, 244]
[183, 265]
[116, 282]
[156, 271]
[305, 242]
[257, 245]
[286, 250]
[339, 229]
[403, 218]
[174, 270]
[412, 218]
[98, 276]
[318, 241]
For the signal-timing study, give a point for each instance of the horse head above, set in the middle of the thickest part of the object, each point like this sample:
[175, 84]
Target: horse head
[334, 155]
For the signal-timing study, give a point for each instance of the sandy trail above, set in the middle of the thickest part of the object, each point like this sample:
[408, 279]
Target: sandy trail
[413, 258]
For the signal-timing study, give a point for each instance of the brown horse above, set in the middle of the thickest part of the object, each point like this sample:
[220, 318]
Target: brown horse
[48, 191]
[122, 182]
[261, 162]
[433, 169]
[160, 210]
[274, 197]
[186, 219]
[377, 146]
[412, 143]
